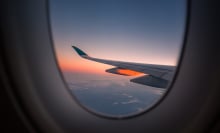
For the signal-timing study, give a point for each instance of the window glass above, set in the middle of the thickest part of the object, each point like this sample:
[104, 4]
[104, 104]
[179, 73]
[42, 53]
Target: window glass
[118, 57]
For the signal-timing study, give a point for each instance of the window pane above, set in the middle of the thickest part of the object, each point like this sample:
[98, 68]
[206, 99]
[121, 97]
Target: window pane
[118, 57]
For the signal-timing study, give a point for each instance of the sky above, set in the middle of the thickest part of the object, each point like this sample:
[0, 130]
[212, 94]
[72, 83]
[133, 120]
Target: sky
[143, 31]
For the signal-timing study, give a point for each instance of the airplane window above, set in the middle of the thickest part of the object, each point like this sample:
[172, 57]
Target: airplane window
[118, 57]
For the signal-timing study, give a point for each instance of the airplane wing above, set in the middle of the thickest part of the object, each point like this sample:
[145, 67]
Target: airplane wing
[150, 74]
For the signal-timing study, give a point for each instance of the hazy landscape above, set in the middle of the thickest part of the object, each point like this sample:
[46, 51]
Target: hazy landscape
[111, 95]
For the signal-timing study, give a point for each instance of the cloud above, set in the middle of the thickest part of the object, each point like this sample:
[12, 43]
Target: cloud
[130, 101]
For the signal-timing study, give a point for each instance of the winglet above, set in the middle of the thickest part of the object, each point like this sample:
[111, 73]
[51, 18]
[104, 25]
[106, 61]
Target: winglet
[79, 51]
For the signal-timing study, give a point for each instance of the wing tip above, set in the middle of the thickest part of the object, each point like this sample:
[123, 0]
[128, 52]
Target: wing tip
[79, 51]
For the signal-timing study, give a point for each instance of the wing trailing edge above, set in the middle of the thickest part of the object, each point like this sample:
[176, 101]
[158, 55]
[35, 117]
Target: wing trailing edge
[151, 81]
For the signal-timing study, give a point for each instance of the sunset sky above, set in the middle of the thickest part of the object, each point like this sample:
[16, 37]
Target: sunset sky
[143, 31]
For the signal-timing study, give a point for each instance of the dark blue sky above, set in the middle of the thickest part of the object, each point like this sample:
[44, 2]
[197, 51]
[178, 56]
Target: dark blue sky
[161, 19]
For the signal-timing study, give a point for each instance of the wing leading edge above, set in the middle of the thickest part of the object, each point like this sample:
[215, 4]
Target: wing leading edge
[152, 75]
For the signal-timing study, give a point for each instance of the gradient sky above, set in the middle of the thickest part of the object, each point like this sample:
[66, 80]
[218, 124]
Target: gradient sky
[144, 31]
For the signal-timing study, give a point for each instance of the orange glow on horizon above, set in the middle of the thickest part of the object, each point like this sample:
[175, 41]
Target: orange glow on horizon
[128, 72]
[81, 65]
